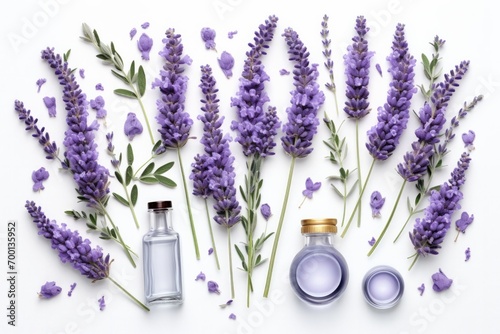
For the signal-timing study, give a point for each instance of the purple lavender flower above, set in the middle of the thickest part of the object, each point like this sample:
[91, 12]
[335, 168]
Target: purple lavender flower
[82, 73]
[421, 288]
[99, 86]
[174, 122]
[429, 231]
[256, 128]
[306, 100]
[379, 69]
[441, 281]
[50, 103]
[144, 44]
[232, 316]
[145, 25]
[132, 33]
[49, 290]
[432, 119]
[200, 277]
[265, 210]
[208, 36]
[210, 251]
[38, 176]
[371, 242]
[40, 82]
[393, 116]
[102, 303]
[284, 71]
[81, 151]
[132, 126]
[376, 203]
[468, 139]
[357, 69]
[467, 254]
[231, 34]
[213, 287]
[463, 222]
[71, 288]
[90, 262]
[98, 105]
[226, 63]
[311, 187]
[50, 148]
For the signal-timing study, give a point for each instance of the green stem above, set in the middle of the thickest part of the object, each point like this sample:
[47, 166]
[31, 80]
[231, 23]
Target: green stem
[145, 115]
[212, 235]
[414, 261]
[144, 307]
[131, 206]
[278, 230]
[118, 235]
[191, 221]
[360, 184]
[388, 221]
[142, 166]
[229, 250]
[358, 202]
[336, 102]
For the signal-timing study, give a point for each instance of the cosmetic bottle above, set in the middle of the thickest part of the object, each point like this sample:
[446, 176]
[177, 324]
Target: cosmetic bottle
[162, 258]
[319, 273]
[383, 287]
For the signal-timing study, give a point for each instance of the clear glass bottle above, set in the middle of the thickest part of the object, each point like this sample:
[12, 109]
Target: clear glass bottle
[162, 258]
[319, 273]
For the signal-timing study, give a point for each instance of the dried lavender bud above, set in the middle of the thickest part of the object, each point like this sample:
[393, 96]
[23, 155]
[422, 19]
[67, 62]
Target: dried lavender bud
[38, 176]
[441, 281]
[50, 103]
[49, 290]
[132, 126]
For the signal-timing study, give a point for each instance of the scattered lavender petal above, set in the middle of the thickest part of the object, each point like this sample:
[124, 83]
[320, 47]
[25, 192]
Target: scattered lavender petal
[231, 34]
[98, 105]
[232, 316]
[132, 33]
[421, 289]
[145, 25]
[311, 187]
[50, 103]
[144, 44]
[71, 288]
[99, 86]
[200, 277]
[208, 36]
[468, 139]
[132, 126]
[379, 69]
[49, 290]
[213, 287]
[265, 210]
[38, 176]
[102, 303]
[467, 254]
[371, 242]
[82, 73]
[40, 83]
[226, 63]
[376, 203]
[441, 281]
[284, 72]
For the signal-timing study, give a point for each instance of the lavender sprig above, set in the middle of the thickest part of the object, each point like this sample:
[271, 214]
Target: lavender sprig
[302, 122]
[218, 166]
[257, 128]
[214, 144]
[175, 123]
[90, 262]
[81, 150]
[383, 138]
[429, 232]
[424, 184]
[432, 118]
[327, 53]
[135, 80]
[357, 70]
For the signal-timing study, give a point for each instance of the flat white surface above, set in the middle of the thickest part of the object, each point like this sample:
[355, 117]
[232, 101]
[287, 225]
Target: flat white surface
[471, 305]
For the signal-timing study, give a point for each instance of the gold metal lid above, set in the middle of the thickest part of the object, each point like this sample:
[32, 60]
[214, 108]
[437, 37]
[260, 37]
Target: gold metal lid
[319, 225]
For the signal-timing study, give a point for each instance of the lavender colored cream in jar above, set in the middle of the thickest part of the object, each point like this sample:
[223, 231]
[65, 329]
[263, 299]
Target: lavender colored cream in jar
[383, 287]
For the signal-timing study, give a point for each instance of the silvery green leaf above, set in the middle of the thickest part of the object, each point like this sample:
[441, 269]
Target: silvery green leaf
[165, 181]
[106, 50]
[125, 93]
[166, 167]
[128, 175]
[120, 199]
[134, 194]
[149, 168]
[148, 179]
[352, 188]
[141, 81]
[130, 155]
[119, 76]
[337, 191]
[87, 32]
[131, 71]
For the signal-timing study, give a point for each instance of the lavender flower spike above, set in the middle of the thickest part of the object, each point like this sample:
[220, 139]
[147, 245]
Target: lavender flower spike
[302, 123]
[175, 123]
[357, 64]
[429, 231]
[70, 245]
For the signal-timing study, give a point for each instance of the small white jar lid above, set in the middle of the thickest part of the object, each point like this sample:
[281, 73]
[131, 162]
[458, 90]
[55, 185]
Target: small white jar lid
[383, 287]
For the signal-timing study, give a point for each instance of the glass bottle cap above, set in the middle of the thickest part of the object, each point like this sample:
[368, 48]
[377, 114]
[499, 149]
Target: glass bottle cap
[159, 205]
[322, 225]
[383, 287]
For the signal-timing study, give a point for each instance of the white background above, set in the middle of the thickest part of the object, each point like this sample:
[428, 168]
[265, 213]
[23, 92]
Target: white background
[471, 305]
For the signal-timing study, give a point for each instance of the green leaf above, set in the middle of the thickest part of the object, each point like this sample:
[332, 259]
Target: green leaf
[148, 169]
[96, 37]
[131, 71]
[240, 254]
[119, 76]
[120, 199]
[156, 146]
[119, 177]
[141, 81]
[165, 181]
[165, 168]
[125, 93]
[425, 61]
[130, 155]
[134, 193]
[66, 55]
[128, 175]
[148, 179]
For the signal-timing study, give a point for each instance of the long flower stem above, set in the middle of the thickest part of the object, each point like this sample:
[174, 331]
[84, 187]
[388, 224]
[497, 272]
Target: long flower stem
[145, 115]
[229, 250]
[360, 185]
[188, 203]
[389, 220]
[278, 230]
[131, 206]
[144, 307]
[358, 202]
[118, 235]
[212, 235]
[416, 256]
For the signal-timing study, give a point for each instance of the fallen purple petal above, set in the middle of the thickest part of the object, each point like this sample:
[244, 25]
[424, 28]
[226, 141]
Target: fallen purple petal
[379, 69]
[99, 86]
[102, 303]
[40, 83]
[132, 126]
[38, 176]
[49, 290]
[284, 72]
[210, 251]
[265, 210]
[208, 36]
[82, 73]
[145, 25]
[226, 63]
[421, 289]
[213, 287]
[232, 316]
[467, 254]
[132, 33]
[372, 241]
[50, 103]
[231, 34]
[71, 288]
[200, 277]
[441, 281]
[144, 44]
[468, 139]
[376, 203]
